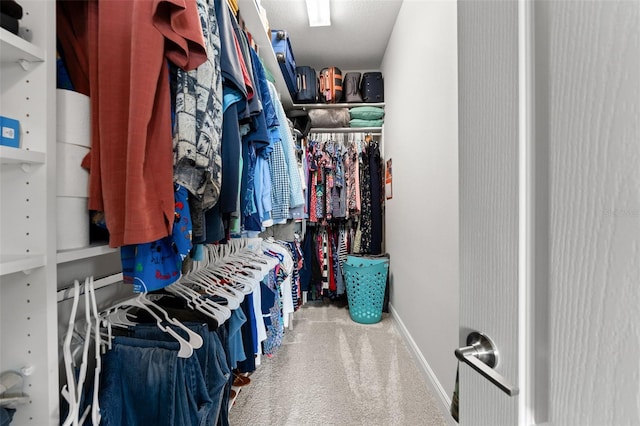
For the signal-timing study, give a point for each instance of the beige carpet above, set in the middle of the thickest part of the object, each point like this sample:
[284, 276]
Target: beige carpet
[331, 370]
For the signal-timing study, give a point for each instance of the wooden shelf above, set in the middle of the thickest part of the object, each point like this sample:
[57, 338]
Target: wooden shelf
[15, 49]
[12, 263]
[64, 256]
[10, 155]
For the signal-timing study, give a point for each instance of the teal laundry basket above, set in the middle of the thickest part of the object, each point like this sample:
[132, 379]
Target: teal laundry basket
[366, 279]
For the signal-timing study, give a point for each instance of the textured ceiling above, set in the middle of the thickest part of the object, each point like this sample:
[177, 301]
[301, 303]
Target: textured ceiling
[356, 39]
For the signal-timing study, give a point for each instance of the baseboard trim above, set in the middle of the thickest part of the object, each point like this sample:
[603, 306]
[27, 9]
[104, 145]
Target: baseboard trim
[432, 380]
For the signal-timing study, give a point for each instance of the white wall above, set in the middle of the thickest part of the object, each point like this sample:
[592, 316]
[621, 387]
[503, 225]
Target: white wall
[421, 138]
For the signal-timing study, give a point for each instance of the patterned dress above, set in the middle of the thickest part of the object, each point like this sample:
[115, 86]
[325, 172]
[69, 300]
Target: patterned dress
[365, 217]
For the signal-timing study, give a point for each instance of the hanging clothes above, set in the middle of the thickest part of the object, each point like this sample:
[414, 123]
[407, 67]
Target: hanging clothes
[365, 217]
[235, 96]
[197, 131]
[376, 198]
[134, 390]
[296, 197]
[155, 265]
[323, 257]
[353, 180]
[280, 183]
[310, 273]
[131, 176]
[271, 311]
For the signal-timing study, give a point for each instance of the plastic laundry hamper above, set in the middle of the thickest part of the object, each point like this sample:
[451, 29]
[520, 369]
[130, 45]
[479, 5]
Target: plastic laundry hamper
[366, 279]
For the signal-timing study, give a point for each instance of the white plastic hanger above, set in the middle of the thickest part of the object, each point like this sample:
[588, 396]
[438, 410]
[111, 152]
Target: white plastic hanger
[95, 406]
[224, 283]
[79, 419]
[210, 277]
[205, 305]
[118, 316]
[69, 389]
[195, 340]
[212, 286]
[234, 273]
[186, 349]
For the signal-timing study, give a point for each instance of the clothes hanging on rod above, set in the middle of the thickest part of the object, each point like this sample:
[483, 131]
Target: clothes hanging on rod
[223, 111]
[344, 201]
[189, 329]
[131, 44]
[325, 248]
[345, 183]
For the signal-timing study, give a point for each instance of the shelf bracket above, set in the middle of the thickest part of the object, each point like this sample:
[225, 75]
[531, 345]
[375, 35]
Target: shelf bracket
[25, 64]
[25, 167]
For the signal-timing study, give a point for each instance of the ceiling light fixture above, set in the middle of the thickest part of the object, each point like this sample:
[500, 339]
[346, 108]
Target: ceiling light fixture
[319, 13]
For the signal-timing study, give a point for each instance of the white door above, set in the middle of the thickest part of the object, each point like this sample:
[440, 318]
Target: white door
[550, 215]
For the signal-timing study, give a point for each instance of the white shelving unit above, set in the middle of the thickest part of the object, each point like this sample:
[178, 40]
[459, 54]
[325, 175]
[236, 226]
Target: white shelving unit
[28, 321]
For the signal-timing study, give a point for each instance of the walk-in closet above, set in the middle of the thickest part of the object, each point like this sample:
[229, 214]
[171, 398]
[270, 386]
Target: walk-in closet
[319, 212]
[164, 222]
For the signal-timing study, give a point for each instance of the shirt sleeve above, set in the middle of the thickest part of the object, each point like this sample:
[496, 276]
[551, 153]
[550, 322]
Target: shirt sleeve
[178, 21]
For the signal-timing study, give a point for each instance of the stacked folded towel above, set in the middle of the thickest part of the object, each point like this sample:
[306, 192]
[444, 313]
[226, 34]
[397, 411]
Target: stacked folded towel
[366, 116]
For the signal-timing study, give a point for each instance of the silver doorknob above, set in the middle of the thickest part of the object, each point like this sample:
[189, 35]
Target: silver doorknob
[481, 354]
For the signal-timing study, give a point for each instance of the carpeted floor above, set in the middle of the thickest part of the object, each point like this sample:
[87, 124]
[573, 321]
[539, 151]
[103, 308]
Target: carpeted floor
[331, 370]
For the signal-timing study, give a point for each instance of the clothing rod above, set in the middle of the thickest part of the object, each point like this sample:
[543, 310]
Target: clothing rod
[371, 130]
[338, 105]
[67, 293]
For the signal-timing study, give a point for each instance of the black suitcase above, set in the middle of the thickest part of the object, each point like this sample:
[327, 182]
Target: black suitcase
[330, 81]
[351, 90]
[372, 87]
[307, 85]
[282, 48]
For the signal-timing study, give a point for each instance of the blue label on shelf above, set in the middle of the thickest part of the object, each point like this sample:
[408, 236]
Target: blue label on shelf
[10, 135]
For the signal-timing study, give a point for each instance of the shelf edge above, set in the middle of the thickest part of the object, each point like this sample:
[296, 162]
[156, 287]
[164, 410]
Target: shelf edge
[10, 155]
[20, 46]
[65, 256]
[346, 130]
[338, 105]
[10, 264]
